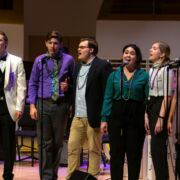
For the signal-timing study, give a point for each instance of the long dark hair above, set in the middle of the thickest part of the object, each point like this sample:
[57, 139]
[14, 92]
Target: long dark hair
[138, 53]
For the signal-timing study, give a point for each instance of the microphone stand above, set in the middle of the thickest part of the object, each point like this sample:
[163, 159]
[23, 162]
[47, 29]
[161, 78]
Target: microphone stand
[41, 118]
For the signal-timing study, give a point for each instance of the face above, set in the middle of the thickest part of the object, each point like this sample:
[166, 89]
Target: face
[84, 52]
[130, 56]
[53, 46]
[155, 53]
[3, 44]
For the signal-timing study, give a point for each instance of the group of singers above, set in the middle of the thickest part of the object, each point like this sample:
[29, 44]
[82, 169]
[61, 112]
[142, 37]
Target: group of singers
[127, 103]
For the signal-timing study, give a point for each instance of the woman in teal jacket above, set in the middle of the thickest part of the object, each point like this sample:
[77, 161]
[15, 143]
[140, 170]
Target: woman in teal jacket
[123, 113]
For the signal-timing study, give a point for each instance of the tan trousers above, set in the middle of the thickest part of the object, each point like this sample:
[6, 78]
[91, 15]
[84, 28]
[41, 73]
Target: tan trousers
[79, 132]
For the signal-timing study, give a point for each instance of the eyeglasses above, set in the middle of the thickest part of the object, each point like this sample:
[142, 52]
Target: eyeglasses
[82, 47]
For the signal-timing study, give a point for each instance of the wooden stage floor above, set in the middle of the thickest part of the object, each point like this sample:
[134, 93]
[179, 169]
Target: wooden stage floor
[24, 171]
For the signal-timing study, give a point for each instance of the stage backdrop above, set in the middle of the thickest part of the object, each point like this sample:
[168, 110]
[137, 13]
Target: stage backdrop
[113, 35]
[15, 33]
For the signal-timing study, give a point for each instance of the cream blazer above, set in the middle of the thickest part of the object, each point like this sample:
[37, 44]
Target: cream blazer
[14, 85]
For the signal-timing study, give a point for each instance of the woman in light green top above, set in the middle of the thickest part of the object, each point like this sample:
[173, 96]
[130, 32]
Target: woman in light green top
[123, 113]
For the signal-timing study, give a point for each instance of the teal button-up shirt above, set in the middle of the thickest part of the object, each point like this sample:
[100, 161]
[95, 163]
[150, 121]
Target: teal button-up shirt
[118, 87]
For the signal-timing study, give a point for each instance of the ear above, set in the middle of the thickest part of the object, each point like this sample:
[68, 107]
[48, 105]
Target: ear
[45, 42]
[6, 44]
[91, 50]
[162, 55]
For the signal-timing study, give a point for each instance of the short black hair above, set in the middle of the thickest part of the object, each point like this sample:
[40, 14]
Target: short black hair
[54, 34]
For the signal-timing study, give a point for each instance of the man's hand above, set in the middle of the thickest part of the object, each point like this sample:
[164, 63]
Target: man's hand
[18, 115]
[33, 112]
[64, 85]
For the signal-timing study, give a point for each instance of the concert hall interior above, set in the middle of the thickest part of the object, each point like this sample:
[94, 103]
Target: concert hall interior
[114, 23]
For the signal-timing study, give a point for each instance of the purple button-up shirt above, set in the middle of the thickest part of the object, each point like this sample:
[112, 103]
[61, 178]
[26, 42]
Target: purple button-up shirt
[35, 83]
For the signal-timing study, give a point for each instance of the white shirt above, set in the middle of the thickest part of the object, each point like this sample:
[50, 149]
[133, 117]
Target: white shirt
[2, 65]
[158, 81]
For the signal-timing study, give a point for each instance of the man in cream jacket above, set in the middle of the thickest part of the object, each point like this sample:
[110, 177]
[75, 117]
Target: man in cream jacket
[12, 100]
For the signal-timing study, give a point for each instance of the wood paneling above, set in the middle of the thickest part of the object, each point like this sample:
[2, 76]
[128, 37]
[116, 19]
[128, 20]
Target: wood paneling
[37, 46]
[140, 10]
[14, 15]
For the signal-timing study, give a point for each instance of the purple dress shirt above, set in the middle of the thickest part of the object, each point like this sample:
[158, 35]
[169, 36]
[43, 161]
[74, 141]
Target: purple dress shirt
[35, 83]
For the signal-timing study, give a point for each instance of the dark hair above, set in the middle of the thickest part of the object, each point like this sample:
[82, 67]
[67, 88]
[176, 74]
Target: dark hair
[54, 34]
[4, 36]
[92, 43]
[138, 53]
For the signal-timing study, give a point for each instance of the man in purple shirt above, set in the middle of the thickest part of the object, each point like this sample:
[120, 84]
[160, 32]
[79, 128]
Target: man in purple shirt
[50, 96]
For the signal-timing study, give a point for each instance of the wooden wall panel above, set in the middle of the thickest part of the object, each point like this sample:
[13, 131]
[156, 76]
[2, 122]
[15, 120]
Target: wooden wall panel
[37, 46]
[16, 15]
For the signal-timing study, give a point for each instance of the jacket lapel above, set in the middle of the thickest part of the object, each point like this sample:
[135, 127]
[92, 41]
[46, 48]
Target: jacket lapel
[7, 71]
[92, 71]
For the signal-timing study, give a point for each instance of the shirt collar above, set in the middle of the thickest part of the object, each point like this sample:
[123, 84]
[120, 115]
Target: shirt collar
[89, 62]
[157, 64]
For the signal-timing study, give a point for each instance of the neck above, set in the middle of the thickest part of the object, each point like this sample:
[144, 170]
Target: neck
[55, 54]
[3, 53]
[157, 63]
[89, 61]
[131, 69]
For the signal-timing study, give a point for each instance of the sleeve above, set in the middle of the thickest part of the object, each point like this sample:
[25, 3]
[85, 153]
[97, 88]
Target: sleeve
[33, 83]
[108, 98]
[21, 87]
